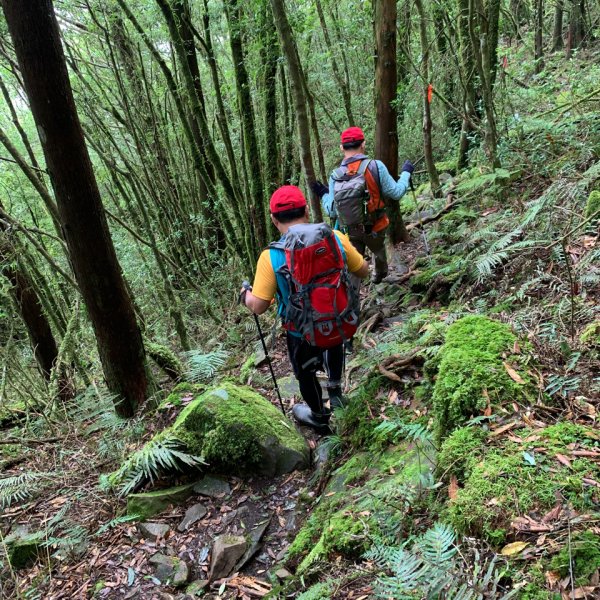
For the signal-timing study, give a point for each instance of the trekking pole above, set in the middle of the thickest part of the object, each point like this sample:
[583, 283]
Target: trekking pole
[421, 227]
[247, 287]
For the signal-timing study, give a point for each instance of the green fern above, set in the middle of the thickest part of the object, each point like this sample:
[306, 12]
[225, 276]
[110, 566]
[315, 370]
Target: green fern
[433, 569]
[202, 367]
[20, 487]
[163, 453]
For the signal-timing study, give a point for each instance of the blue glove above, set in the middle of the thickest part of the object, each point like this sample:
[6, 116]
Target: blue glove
[408, 166]
[319, 189]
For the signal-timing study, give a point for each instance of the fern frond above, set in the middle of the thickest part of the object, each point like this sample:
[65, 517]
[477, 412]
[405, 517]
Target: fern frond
[201, 367]
[20, 487]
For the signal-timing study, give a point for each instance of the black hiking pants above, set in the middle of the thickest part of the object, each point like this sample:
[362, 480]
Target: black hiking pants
[375, 242]
[306, 361]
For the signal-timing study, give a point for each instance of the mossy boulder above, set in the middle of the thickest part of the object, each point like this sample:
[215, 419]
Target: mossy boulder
[148, 504]
[593, 205]
[23, 547]
[354, 507]
[475, 369]
[237, 431]
[501, 483]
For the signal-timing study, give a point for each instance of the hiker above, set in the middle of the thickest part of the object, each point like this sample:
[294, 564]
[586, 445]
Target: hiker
[307, 270]
[356, 196]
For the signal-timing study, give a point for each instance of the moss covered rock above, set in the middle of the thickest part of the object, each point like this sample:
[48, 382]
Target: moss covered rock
[236, 430]
[473, 372]
[148, 504]
[584, 556]
[501, 483]
[354, 508]
[23, 547]
[593, 205]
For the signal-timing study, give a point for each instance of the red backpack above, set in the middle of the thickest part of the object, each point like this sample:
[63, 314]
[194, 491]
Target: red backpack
[315, 295]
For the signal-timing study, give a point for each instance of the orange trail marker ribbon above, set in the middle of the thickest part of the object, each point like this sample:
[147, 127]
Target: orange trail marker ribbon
[429, 93]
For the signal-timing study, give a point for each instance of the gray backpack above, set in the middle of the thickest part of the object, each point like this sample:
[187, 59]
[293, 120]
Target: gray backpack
[351, 194]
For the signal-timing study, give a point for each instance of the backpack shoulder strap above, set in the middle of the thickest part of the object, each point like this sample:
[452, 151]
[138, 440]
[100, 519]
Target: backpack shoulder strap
[339, 173]
[364, 165]
[277, 256]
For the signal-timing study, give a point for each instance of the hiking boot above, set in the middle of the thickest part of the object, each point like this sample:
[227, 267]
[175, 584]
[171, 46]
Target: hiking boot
[379, 277]
[305, 416]
[336, 399]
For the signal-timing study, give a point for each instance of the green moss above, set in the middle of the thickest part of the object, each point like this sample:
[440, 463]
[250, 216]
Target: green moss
[591, 334]
[165, 358]
[533, 591]
[180, 391]
[471, 372]
[230, 426]
[460, 452]
[247, 368]
[584, 552]
[499, 484]
[593, 205]
[446, 166]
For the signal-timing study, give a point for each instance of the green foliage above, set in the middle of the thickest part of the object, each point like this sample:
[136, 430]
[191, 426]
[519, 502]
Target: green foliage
[431, 569]
[319, 591]
[203, 366]
[460, 451]
[18, 488]
[593, 206]
[501, 483]
[165, 452]
[583, 553]
[471, 372]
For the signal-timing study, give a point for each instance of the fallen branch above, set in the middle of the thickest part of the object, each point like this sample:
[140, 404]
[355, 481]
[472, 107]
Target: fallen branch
[399, 362]
[435, 217]
[29, 442]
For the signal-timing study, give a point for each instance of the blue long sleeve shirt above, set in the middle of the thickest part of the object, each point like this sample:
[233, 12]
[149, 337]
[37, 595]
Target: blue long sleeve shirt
[390, 189]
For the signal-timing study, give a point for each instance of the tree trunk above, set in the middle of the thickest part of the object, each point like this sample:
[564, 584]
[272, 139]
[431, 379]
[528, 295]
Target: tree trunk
[341, 82]
[386, 118]
[539, 40]
[36, 38]
[557, 32]
[427, 145]
[30, 308]
[246, 112]
[288, 46]
[467, 67]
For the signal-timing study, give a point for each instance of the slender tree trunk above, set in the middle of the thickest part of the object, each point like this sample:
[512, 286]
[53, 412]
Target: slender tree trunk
[337, 74]
[246, 112]
[539, 40]
[386, 119]
[30, 308]
[36, 39]
[492, 30]
[557, 32]
[288, 46]
[269, 59]
[427, 144]
[467, 66]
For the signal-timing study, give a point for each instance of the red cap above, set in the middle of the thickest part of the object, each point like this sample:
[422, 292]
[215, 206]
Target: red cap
[287, 197]
[352, 134]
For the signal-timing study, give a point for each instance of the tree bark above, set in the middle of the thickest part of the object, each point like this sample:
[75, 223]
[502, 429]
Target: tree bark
[557, 32]
[341, 82]
[539, 39]
[246, 112]
[35, 34]
[427, 143]
[386, 118]
[288, 46]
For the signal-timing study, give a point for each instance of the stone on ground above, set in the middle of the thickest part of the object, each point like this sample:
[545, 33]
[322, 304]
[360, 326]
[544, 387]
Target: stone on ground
[236, 430]
[254, 538]
[213, 487]
[170, 569]
[153, 531]
[23, 547]
[148, 504]
[192, 515]
[226, 551]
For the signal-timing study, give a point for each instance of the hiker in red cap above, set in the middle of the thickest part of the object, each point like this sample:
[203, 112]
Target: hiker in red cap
[356, 197]
[307, 270]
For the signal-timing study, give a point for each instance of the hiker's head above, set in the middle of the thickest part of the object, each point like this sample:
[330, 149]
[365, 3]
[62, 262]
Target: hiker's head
[288, 206]
[352, 141]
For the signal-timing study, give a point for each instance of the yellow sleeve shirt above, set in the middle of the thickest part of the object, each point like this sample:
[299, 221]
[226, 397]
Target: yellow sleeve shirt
[265, 282]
